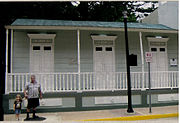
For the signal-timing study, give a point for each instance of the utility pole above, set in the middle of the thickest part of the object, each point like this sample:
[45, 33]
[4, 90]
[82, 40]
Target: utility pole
[130, 109]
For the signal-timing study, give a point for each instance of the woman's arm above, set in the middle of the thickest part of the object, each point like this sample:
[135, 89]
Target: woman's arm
[40, 92]
[25, 93]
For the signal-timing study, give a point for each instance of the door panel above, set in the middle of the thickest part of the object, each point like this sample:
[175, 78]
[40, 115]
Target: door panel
[158, 66]
[98, 59]
[35, 63]
[104, 66]
[47, 57]
[159, 60]
[42, 58]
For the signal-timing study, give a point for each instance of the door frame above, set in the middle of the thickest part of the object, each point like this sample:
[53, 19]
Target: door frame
[39, 37]
[158, 40]
[104, 38]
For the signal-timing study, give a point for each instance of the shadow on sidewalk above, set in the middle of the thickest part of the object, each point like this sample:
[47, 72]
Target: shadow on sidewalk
[36, 119]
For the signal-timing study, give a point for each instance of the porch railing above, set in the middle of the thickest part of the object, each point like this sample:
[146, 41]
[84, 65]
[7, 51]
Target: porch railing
[89, 81]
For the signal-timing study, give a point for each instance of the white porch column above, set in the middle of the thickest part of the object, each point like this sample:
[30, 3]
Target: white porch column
[79, 61]
[12, 42]
[142, 57]
[6, 75]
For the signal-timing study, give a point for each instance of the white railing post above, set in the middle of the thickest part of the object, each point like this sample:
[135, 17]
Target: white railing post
[67, 81]
[75, 83]
[56, 83]
[173, 80]
[177, 76]
[94, 81]
[22, 82]
[123, 80]
[10, 83]
[71, 81]
[15, 79]
[63, 80]
[91, 82]
[18, 82]
[60, 82]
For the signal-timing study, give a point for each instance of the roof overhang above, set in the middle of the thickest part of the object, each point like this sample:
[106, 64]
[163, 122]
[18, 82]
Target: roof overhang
[89, 28]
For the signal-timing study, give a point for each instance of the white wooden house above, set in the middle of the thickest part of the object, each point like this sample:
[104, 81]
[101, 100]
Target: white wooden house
[88, 56]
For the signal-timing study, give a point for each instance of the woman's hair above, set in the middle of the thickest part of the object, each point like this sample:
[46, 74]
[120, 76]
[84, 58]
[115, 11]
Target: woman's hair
[18, 95]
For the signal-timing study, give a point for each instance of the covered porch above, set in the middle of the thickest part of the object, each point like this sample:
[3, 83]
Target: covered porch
[81, 57]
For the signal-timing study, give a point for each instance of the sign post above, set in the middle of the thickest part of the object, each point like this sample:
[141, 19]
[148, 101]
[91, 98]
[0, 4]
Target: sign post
[149, 60]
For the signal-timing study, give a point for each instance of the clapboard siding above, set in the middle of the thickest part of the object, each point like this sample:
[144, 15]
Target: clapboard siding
[172, 48]
[21, 52]
[65, 50]
[86, 51]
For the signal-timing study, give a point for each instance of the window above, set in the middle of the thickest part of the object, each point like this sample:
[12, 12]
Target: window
[36, 47]
[153, 49]
[162, 49]
[47, 48]
[98, 48]
[108, 48]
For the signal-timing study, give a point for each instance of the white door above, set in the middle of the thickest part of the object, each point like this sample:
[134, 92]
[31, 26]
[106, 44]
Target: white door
[35, 59]
[47, 59]
[104, 66]
[159, 61]
[159, 66]
[42, 61]
[42, 58]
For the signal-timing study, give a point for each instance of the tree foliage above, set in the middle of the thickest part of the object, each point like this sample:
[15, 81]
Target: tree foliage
[85, 11]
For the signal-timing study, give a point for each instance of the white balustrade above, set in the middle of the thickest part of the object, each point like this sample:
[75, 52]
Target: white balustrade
[90, 81]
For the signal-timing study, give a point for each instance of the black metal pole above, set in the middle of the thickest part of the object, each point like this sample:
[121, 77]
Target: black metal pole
[129, 110]
[150, 111]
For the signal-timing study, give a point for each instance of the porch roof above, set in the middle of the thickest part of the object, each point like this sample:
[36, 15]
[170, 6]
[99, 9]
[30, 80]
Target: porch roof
[41, 22]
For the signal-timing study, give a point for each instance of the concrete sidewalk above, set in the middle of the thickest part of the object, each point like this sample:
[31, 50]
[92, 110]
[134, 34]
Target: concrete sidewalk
[101, 114]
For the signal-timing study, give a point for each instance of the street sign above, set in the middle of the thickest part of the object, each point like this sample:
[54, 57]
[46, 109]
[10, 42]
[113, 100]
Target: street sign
[148, 57]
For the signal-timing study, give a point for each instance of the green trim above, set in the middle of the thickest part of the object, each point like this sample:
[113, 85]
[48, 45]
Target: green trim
[144, 98]
[78, 100]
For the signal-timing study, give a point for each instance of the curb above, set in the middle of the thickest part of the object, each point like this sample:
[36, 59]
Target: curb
[131, 118]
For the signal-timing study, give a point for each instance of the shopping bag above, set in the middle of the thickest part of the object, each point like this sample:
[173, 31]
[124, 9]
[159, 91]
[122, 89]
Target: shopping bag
[42, 102]
[25, 102]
